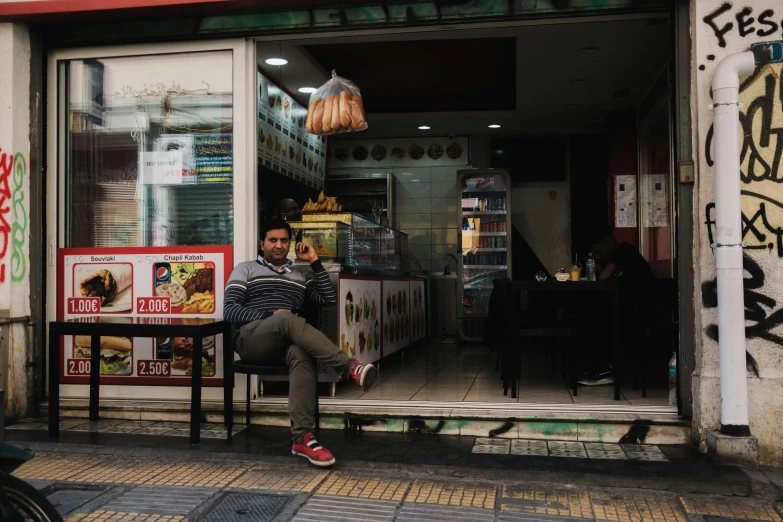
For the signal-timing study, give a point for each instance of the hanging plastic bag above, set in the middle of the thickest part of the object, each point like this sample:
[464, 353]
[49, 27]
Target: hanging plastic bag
[336, 107]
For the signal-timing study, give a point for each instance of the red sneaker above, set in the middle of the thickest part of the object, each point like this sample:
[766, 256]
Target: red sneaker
[312, 450]
[364, 375]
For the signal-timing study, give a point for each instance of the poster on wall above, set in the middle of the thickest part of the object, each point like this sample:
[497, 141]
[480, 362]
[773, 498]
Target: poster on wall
[416, 306]
[404, 152]
[118, 284]
[625, 201]
[396, 316]
[656, 210]
[360, 319]
[283, 143]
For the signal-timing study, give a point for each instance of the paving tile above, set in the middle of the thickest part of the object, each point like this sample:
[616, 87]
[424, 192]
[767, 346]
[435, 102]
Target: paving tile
[362, 486]
[736, 509]
[491, 441]
[282, 479]
[124, 471]
[417, 512]
[160, 500]
[27, 426]
[323, 508]
[46, 467]
[567, 449]
[491, 449]
[240, 507]
[114, 516]
[452, 494]
[199, 474]
[645, 455]
[546, 502]
[610, 455]
[643, 448]
[631, 508]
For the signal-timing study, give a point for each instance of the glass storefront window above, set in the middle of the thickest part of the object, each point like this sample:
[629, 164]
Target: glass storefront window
[148, 150]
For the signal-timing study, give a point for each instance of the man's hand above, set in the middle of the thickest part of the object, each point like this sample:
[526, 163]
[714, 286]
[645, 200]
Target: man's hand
[305, 252]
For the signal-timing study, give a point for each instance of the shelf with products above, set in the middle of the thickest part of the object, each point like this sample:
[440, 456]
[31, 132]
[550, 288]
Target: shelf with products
[473, 250]
[469, 213]
[497, 267]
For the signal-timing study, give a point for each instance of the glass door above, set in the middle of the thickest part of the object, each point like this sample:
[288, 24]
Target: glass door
[485, 245]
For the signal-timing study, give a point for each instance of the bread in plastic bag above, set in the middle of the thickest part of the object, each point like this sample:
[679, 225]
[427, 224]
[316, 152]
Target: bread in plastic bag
[336, 107]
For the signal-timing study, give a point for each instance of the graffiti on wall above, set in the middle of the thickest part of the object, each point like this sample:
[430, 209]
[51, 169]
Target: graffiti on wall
[13, 217]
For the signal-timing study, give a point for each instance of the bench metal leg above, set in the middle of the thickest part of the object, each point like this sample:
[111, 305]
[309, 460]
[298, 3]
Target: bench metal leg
[95, 376]
[228, 384]
[195, 393]
[332, 389]
[54, 385]
[247, 400]
[317, 413]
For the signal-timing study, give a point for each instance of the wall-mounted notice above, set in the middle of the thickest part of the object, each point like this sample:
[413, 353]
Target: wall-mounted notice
[625, 201]
[142, 282]
[283, 143]
[656, 209]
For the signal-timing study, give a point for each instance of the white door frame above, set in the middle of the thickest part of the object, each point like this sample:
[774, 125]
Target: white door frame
[245, 180]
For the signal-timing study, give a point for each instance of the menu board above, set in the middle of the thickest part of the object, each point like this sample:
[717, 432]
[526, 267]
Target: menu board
[360, 319]
[284, 145]
[151, 282]
[396, 316]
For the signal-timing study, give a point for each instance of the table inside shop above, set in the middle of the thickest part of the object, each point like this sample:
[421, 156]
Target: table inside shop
[559, 288]
[151, 327]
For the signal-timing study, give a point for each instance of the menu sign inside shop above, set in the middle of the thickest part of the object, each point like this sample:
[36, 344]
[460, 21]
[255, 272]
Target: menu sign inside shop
[154, 282]
[188, 159]
[284, 145]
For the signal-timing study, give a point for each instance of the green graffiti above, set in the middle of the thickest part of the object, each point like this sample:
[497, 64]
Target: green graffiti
[19, 226]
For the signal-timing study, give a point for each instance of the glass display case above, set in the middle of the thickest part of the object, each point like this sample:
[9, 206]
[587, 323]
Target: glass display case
[353, 240]
[485, 242]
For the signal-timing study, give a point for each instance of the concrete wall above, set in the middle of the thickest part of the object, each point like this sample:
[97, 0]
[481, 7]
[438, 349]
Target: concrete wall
[721, 28]
[15, 210]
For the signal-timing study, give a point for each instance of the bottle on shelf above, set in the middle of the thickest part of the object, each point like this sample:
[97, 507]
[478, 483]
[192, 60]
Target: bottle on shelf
[590, 267]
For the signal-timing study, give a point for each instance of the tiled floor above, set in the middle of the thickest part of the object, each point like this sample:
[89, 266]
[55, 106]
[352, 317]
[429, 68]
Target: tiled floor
[467, 373]
[583, 450]
[174, 429]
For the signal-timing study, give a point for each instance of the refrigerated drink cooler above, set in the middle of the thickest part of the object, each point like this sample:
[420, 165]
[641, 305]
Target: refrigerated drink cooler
[485, 244]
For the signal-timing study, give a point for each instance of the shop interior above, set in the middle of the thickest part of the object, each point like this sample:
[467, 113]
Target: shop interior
[574, 112]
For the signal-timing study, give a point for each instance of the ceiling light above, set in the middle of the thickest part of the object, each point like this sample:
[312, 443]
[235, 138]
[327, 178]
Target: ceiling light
[589, 50]
[574, 105]
[424, 127]
[276, 61]
[307, 90]
[494, 126]
[580, 81]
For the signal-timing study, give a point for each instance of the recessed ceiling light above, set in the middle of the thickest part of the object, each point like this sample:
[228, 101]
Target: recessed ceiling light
[494, 126]
[580, 81]
[574, 105]
[276, 61]
[589, 50]
[424, 127]
[307, 90]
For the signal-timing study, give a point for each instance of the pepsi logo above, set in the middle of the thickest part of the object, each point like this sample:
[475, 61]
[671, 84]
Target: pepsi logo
[162, 272]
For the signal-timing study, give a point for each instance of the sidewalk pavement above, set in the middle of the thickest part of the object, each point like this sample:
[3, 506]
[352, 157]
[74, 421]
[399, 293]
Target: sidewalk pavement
[97, 476]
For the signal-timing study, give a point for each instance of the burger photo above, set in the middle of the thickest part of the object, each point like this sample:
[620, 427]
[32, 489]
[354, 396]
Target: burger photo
[115, 353]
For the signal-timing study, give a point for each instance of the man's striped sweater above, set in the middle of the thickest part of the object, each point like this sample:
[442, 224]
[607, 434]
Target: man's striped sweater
[256, 289]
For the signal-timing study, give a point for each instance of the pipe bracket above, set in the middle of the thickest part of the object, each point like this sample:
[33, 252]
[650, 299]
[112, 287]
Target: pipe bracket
[713, 105]
[726, 245]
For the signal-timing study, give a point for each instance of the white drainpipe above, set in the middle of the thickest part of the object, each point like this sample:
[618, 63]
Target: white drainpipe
[728, 242]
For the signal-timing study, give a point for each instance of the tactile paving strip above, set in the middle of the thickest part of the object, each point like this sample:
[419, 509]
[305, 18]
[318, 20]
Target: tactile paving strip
[553, 502]
[160, 500]
[113, 516]
[452, 494]
[46, 467]
[418, 512]
[321, 508]
[627, 508]
[242, 507]
[362, 486]
[199, 474]
[736, 509]
[283, 479]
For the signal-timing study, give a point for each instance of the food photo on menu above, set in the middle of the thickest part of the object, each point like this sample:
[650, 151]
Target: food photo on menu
[191, 286]
[111, 282]
[116, 353]
[182, 356]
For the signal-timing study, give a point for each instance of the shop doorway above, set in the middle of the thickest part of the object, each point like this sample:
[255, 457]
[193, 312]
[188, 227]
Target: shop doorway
[577, 115]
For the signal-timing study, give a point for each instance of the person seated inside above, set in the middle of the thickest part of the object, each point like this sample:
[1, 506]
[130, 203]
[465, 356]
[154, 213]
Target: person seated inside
[624, 263]
[287, 207]
[264, 300]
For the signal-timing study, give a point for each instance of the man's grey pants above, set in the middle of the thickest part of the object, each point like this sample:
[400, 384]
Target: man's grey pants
[286, 336]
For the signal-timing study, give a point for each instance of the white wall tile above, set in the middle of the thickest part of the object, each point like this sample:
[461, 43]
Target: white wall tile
[443, 205]
[444, 174]
[411, 221]
[421, 236]
[448, 220]
[412, 175]
[413, 190]
[444, 236]
[444, 190]
[414, 206]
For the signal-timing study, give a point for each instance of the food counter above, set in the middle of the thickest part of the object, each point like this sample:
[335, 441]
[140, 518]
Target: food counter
[381, 307]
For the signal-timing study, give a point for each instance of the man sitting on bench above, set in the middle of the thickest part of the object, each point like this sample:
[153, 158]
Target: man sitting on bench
[264, 301]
